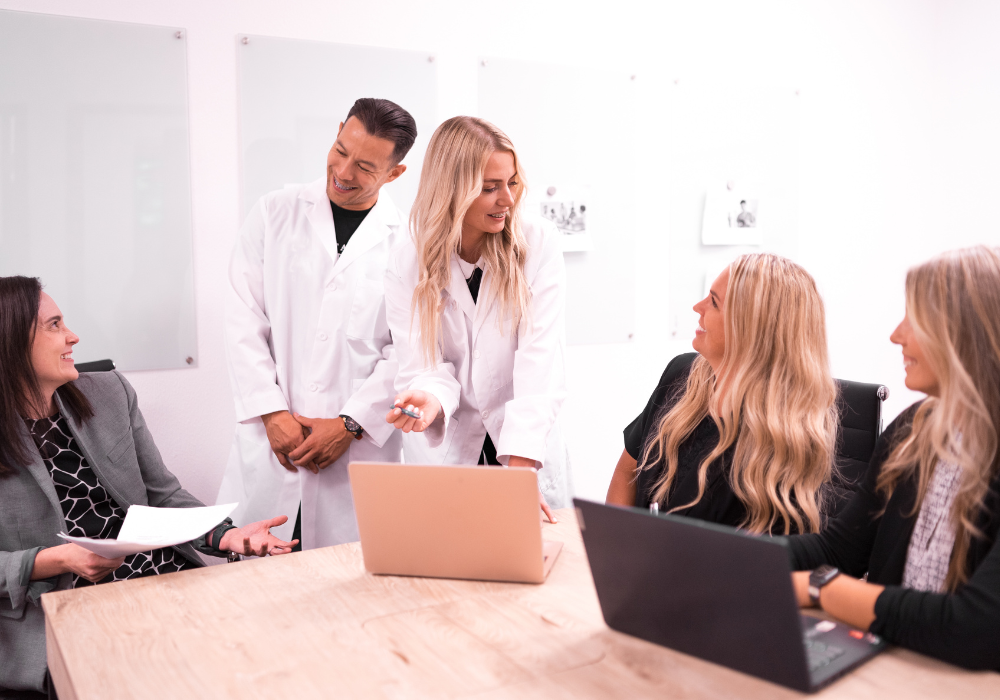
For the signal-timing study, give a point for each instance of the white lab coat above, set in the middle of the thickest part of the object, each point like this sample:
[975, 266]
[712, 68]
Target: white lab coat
[306, 331]
[486, 377]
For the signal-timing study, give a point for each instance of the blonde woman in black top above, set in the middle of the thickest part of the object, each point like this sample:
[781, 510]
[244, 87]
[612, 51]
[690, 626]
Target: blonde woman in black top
[741, 433]
[923, 526]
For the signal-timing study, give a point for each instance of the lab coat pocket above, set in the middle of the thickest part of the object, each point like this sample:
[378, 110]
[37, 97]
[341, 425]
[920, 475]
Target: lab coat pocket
[356, 385]
[367, 306]
[450, 448]
[499, 349]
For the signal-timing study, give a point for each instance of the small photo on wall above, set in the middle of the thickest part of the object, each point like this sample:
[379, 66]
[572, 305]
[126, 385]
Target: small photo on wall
[746, 216]
[569, 214]
[570, 217]
[731, 217]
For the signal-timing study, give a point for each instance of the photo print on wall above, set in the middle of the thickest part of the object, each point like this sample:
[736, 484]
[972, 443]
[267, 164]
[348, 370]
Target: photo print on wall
[569, 217]
[731, 217]
[569, 214]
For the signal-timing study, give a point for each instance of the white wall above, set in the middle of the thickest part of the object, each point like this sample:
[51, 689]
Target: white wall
[898, 151]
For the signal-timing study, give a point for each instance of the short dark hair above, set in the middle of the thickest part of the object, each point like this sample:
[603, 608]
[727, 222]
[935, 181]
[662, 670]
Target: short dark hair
[386, 120]
[19, 301]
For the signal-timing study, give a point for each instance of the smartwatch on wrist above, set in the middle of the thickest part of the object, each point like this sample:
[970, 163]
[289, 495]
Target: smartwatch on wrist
[352, 426]
[820, 577]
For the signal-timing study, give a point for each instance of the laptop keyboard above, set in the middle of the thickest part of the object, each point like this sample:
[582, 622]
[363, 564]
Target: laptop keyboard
[820, 654]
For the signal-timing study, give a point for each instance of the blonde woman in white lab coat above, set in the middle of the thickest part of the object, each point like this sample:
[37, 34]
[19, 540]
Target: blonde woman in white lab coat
[475, 300]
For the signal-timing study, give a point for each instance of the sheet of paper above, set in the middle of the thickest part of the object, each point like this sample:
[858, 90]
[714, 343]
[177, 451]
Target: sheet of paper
[147, 528]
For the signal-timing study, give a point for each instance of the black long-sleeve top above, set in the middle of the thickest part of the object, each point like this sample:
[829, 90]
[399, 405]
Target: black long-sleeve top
[719, 504]
[963, 627]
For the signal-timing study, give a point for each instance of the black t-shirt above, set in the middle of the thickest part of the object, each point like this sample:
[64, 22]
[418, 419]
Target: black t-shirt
[346, 222]
[718, 504]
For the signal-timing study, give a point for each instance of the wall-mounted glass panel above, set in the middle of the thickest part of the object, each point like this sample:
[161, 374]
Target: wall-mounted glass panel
[724, 145]
[572, 127]
[95, 186]
[294, 93]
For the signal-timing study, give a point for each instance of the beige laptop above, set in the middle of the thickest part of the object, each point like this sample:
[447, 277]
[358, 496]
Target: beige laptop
[451, 522]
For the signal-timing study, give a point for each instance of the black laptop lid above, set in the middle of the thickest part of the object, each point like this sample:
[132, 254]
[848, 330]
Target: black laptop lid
[702, 589]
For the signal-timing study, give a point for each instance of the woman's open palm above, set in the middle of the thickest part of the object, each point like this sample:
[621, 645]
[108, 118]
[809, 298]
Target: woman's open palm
[256, 539]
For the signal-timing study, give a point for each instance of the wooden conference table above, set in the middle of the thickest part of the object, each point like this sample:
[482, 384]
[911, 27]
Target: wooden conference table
[317, 625]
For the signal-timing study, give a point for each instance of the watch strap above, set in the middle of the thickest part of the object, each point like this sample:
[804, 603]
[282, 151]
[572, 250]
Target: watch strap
[352, 426]
[820, 577]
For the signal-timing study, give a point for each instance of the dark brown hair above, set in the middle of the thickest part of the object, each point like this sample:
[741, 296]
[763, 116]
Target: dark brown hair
[386, 120]
[19, 390]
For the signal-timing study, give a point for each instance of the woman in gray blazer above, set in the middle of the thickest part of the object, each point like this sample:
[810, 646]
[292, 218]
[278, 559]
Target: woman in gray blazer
[75, 453]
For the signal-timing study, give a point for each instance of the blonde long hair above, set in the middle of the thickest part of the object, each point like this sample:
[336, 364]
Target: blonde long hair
[953, 305]
[777, 402]
[451, 179]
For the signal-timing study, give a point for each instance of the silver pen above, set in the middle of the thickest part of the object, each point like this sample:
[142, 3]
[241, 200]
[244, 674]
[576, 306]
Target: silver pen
[407, 412]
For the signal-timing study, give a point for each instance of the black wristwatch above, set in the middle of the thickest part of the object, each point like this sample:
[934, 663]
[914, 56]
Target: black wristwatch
[352, 426]
[819, 577]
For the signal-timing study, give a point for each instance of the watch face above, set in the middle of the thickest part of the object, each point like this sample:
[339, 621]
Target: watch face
[822, 575]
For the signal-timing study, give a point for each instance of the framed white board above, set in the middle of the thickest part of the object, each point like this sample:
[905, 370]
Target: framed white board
[95, 185]
[294, 93]
[562, 120]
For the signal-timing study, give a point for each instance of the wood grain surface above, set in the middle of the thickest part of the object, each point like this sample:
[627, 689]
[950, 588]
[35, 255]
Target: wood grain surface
[316, 625]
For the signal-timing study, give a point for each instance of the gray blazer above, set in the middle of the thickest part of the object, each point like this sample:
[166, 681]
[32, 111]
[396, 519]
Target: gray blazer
[120, 449]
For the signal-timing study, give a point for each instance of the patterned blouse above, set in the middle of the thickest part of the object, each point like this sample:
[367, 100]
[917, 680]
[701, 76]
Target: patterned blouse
[88, 508]
[933, 537]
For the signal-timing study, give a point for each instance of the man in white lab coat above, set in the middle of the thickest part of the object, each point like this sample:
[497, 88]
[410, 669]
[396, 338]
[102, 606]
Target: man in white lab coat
[310, 353]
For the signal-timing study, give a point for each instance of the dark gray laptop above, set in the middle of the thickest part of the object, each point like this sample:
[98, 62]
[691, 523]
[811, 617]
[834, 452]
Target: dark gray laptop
[713, 592]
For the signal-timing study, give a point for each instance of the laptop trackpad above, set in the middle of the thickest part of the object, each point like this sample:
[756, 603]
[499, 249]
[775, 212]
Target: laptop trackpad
[550, 552]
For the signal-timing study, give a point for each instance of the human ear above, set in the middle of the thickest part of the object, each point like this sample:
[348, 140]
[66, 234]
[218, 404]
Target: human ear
[398, 170]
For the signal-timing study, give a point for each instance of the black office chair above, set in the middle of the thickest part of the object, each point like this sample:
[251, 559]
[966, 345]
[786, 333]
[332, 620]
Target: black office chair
[860, 408]
[96, 366]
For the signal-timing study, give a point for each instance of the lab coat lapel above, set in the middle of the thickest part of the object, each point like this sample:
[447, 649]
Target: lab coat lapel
[321, 216]
[485, 304]
[370, 233]
[458, 289]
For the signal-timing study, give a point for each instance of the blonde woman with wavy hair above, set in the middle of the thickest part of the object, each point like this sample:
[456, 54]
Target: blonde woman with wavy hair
[923, 525]
[743, 431]
[474, 300]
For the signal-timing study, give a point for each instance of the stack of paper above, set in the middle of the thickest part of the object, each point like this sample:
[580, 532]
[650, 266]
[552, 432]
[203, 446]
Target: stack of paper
[148, 528]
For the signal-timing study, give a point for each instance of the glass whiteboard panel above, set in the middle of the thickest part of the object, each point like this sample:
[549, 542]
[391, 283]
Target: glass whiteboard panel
[294, 94]
[739, 141]
[567, 125]
[95, 187]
